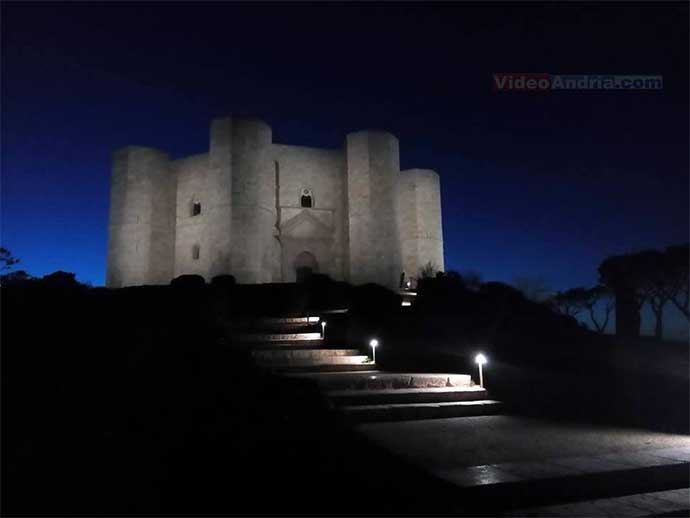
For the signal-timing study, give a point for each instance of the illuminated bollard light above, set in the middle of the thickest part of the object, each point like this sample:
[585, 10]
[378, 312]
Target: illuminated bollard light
[323, 330]
[480, 360]
[373, 343]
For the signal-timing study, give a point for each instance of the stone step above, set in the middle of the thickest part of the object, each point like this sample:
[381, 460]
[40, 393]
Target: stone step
[417, 411]
[285, 355]
[322, 368]
[299, 345]
[289, 324]
[277, 321]
[372, 380]
[287, 329]
[316, 361]
[277, 337]
[406, 396]
[408, 297]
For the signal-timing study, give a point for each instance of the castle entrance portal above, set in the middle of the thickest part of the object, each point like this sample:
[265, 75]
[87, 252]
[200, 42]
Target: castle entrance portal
[305, 265]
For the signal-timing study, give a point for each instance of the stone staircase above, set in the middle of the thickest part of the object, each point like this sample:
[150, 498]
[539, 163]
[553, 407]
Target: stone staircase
[351, 381]
[408, 297]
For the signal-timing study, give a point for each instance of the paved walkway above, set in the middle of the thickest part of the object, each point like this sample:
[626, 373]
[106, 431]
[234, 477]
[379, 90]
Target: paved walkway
[443, 444]
[530, 467]
[671, 503]
[558, 467]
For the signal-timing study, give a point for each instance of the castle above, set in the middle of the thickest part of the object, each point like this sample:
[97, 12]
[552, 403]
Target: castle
[268, 212]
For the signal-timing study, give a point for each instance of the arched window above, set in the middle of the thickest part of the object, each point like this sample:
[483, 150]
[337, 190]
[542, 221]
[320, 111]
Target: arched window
[196, 251]
[306, 200]
[196, 208]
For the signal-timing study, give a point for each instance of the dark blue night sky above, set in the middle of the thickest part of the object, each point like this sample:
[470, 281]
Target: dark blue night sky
[533, 184]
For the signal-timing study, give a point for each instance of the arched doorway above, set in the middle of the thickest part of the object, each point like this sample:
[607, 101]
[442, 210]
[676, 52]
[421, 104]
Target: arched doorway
[305, 265]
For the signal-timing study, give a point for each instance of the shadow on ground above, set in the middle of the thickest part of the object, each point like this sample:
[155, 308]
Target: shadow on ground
[134, 402]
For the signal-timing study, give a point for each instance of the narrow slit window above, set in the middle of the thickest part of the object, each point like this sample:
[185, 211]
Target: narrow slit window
[196, 252]
[196, 208]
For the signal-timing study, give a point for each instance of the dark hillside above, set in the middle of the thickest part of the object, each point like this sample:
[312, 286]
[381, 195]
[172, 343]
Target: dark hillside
[133, 401]
[542, 363]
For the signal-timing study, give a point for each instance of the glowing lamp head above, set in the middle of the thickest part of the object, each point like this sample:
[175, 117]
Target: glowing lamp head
[374, 343]
[409, 284]
[480, 359]
[323, 324]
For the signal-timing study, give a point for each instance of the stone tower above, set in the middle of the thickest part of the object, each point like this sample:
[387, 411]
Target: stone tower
[269, 212]
[373, 169]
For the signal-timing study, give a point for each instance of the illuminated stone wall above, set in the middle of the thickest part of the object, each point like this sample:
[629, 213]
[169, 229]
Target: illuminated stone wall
[419, 220]
[191, 174]
[237, 209]
[141, 221]
[321, 229]
[373, 167]
[253, 202]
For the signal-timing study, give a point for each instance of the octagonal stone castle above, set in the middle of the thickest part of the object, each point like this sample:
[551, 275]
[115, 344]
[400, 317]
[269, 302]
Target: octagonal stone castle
[269, 212]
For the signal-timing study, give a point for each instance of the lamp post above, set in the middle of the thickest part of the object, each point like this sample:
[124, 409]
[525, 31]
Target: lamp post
[373, 343]
[323, 330]
[480, 360]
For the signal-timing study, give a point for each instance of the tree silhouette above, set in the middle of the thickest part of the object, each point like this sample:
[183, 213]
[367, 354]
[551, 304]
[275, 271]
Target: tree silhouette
[574, 301]
[15, 277]
[7, 260]
[595, 296]
[649, 276]
[569, 302]
[654, 281]
[619, 274]
[678, 263]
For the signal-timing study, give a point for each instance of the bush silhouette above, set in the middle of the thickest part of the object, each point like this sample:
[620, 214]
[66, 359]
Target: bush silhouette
[224, 281]
[188, 282]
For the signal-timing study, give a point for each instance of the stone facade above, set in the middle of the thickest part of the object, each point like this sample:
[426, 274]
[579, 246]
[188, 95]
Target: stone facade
[268, 212]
